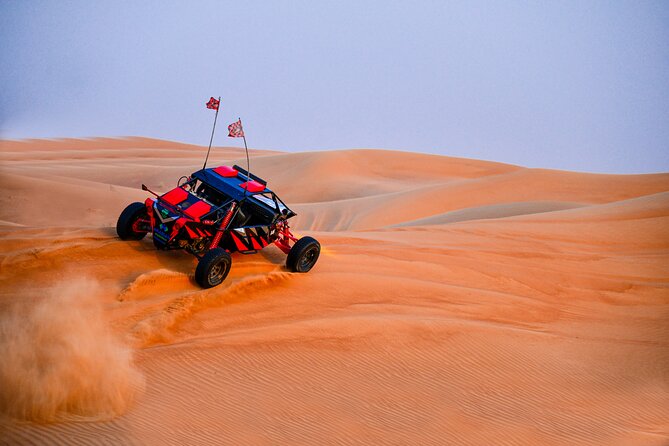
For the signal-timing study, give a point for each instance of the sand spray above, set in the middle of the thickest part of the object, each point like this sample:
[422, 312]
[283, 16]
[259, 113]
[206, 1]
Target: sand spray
[58, 357]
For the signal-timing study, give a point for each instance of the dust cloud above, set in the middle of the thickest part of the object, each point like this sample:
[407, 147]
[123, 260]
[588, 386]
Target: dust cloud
[59, 358]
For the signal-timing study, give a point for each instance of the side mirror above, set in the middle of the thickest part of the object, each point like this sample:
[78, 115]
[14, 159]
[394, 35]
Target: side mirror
[149, 190]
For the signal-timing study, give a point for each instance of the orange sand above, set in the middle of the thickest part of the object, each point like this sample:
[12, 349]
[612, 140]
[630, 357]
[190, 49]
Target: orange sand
[455, 302]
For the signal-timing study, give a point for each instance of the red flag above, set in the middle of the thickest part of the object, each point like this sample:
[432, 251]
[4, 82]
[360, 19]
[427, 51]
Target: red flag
[235, 129]
[213, 103]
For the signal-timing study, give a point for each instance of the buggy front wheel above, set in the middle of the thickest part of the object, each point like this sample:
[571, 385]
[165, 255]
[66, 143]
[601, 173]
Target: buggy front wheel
[129, 225]
[213, 268]
[303, 255]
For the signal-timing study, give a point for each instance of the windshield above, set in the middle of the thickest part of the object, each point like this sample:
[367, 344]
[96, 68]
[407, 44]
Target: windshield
[269, 201]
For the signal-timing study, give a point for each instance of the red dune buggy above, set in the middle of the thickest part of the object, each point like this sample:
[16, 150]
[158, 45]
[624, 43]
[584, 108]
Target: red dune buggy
[213, 213]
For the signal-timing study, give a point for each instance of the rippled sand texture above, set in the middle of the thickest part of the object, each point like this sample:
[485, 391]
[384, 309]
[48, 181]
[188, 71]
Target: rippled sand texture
[455, 302]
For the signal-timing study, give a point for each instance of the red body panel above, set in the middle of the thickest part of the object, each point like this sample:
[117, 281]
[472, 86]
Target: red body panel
[197, 209]
[252, 186]
[255, 243]
[226, 171]
[175, 196]
[238, 242]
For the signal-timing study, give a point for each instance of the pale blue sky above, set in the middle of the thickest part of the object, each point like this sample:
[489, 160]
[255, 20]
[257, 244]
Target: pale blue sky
[577, 85]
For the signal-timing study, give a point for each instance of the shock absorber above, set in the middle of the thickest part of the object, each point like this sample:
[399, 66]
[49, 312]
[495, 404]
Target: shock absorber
[223, 226]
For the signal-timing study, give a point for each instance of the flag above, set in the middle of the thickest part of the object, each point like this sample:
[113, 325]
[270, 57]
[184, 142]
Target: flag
[213, 103]
[235, 129]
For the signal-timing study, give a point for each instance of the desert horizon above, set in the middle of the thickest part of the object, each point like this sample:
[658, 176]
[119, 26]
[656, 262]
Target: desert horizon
[455, 301]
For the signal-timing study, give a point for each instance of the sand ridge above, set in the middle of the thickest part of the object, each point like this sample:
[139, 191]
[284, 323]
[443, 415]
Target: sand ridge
[455, 302]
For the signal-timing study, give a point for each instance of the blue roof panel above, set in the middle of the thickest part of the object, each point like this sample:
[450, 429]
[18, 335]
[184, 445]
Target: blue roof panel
[227, 185]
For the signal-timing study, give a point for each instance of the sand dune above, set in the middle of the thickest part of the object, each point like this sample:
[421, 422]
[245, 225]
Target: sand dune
[455, 302]
[493, 211]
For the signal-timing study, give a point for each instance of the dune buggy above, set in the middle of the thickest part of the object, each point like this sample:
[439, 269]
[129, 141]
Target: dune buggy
[213, 213]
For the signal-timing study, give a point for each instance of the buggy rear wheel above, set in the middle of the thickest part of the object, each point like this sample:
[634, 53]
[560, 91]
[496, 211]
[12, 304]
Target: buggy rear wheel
[128, 226]
[213, 268]
[303, 255]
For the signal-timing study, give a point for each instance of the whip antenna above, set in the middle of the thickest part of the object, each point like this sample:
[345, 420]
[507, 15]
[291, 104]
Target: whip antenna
[248, 163]
[235, 130]
[214, 105]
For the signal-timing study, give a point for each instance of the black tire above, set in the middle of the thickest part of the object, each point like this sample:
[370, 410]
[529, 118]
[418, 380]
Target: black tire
[303, 255]
[213, 268]
[124, 225]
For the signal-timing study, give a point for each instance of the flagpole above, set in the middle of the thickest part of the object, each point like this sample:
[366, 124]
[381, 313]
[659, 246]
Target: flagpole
[212, 133]
[248, 164]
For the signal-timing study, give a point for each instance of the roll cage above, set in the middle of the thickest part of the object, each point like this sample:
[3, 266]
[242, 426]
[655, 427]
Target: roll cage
[262, 208]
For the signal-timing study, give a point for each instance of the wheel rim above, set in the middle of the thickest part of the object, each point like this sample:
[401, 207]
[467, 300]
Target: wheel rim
[308, 259]
[137, 225]
[216, 272]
